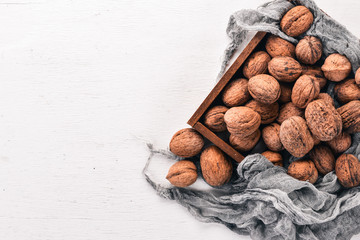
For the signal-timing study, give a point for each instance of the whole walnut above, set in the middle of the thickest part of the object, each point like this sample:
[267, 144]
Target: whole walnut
[304, 91]
[285, 69]
[347, 169]
[296, 21]
[323, 120]
[268, 112]
[288, 110]
[350, 115]
[340, 143]
[271, 137]
[236, 93]
[303, 170]
[316, 72]
[285, 95]
[256, 64]
[296, 137]
[215, 167]
[336, 67]
[323, 158]
[357, 77]
[274, 157]
[347, 91]
[264, 88]
[278, 47]
[214, 118]
[186, 142]
[242, 121]
[309, 50]
[182, 174]
[244, 144]
[327, 98]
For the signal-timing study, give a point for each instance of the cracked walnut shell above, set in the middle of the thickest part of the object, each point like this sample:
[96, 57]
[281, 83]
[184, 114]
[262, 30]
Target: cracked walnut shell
[182, 174]
[309, 50]
[296, 21]
[186, 142]
[264, 88]
[256, 64]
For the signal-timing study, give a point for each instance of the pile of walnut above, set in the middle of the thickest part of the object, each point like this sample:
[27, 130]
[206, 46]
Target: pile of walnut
[279, 100]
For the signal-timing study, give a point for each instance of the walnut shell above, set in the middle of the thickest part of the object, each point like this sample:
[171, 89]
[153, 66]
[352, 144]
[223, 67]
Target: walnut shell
[336, 67]
[309, 50]
[296, 21]
[296, 137]
[316, 72]
[350, 115]
[278, 47]
[316, 140]
[242, 121]
[323, 120]
[323, 158]
[182, 174]
[285, 95]
[304, 91]
[236, 93]
[288, 110]
[264, 88]
[186, 142]
[244, 144]
[215, 167]
[271, 137]
[256, 64]
[285, 69]
[303, 170]
[327, 98]
[274, 157]
[340, 143]
[268, 112]
[347, 91]
[357, 77]
[214, 118]
[347, 170]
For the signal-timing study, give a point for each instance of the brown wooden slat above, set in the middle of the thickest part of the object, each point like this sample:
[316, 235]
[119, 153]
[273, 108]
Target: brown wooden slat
[218, 142]
[226, 78]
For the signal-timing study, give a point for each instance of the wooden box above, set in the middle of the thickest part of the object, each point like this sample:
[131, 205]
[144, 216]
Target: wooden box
[234, 71]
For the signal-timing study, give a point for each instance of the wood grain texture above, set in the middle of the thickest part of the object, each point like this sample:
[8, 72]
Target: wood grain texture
[83, 85]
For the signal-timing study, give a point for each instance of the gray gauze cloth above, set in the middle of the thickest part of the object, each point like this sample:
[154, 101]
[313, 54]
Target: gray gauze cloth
[263, 201]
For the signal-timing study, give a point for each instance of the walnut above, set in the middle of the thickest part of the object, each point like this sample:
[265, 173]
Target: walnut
[357, 77]
[350, 115]
[296, 21]
[264, 88]
[268, 112]
[303, 170]
[347, 170]
[347, 91]
[244, 144]
[323, 158]
[236, 93]
[214, 118]
[323, 120]
[309, 50]
[327, 98]
[186, 142]
[285, 95]
[278, 47]
[271, 137]
[288, 110]
[316, 140]
[215, 167]
[336, 67]
[340, 143]
[182, 174]
[256, 64]
[296, 137]
[242, 121]
[284, 69]
[304, 91]
[316, 72]
[274, 157]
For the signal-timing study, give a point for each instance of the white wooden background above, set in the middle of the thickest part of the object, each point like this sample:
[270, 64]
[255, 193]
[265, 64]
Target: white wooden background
[83, 85]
